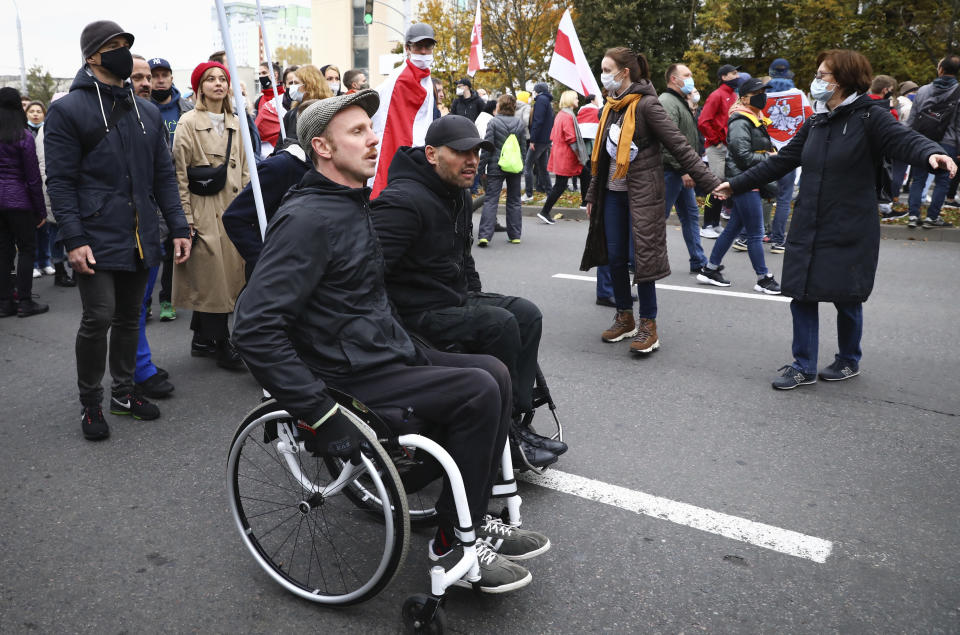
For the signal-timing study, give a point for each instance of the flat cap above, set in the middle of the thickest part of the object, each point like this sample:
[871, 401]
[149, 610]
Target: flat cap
[315, 119]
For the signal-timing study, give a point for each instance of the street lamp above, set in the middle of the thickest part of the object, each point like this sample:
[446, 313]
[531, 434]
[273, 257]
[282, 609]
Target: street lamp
[23, 67]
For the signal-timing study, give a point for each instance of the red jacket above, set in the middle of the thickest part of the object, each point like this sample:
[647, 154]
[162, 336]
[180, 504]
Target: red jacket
[713, 117]
[563, 161]
[893, 111]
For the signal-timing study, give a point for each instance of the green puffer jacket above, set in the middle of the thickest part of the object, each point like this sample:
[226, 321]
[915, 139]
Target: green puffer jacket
[677, 109]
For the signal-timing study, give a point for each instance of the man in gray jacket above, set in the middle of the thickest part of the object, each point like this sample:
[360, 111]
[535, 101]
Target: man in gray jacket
[678, 184]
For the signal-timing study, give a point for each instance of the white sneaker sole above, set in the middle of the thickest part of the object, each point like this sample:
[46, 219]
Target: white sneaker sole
[546, 219]
[757, 287]
[504, 588]
[705, 280]
[622, 337]
[839, 378]
[532, 554]
[646, 351]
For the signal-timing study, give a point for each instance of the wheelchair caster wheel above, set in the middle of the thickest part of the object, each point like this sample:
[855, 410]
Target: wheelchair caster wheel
[423, 614]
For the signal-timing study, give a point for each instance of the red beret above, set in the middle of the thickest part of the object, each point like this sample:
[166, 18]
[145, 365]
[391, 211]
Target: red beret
[200, 70]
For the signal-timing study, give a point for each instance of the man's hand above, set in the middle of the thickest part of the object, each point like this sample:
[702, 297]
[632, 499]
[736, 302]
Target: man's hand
[531, 146]
[687, 181]
[943, 161]
[181, 250]
[589, 209]
[723, 191]
[334, 435]
[79, 259]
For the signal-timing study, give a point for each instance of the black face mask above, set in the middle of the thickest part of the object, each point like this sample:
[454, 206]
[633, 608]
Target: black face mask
[119, 62]
[265, 82]
[758, 101]
[161, 96]
[732, 83]
[286, 100]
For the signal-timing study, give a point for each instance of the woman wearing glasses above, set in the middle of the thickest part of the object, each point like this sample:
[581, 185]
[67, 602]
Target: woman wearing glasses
[834, 238]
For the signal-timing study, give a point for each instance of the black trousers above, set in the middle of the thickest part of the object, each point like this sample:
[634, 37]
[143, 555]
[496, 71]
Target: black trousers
[585, 177]
[210, 327]
[559, 187]
[17, 235]
[506, 327]
[112, 301]
[166, 274]
[462, 401]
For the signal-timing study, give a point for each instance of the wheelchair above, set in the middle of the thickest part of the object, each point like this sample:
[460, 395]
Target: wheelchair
[336, 533]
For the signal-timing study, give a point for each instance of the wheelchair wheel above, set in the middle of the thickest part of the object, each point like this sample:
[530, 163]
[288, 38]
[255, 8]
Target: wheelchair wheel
[299, 523]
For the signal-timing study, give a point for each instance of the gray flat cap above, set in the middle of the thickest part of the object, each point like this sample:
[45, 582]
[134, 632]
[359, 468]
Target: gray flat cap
[420, 31]
[315, 119]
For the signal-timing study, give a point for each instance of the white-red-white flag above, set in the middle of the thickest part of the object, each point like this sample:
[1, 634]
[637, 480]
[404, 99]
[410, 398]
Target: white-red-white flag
[569, 65]
[476, 46]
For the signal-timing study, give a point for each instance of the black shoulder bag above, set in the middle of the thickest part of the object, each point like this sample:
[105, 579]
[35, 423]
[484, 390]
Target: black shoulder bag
[206, 180]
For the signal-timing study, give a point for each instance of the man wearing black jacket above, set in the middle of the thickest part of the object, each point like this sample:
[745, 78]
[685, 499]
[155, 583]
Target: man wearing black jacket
[467, 104]
[315, 312]
[423, 220]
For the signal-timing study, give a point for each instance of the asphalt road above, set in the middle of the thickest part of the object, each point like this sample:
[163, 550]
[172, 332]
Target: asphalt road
[134, 534]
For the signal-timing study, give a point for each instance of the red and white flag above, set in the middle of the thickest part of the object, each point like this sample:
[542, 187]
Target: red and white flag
[476, 46]
[405, 113]
[569, 65]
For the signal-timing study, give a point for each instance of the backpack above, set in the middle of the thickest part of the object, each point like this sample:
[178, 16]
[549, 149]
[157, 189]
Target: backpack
[511, 160]
[933, 121]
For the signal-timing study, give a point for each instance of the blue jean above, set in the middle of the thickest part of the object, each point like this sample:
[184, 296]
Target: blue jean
[778, 228]
[57, 253]
[42, 257]
[806, 334]
[619, 234]
[941, 182]
[145, 368]
[747, 214]
[685, 200]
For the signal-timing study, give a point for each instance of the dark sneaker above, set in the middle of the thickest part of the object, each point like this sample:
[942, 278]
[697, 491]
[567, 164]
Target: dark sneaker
[499, 228]
[610, 302]
[777, 248]
[790, 378]
[838, 371]
[540, 441]
[155, 387]
[712, 276]
[200, 347]
[892, 214]
[545, 218]
[497, 574]
[137, 407]
[740, 245]
[936, 223]
[767, 285]
[511, 542]
[228, 357]
[623, 326]
[913, 223]
[951, 202]
[9, 307]
[92, 423]
[26, 308]
[527, 456]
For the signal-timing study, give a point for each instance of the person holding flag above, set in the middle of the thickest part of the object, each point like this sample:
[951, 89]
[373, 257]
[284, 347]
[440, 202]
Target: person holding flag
[406, 102]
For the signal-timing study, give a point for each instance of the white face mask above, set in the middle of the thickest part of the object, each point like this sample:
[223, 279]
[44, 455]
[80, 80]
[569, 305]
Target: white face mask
[695, 97]
[334, 86]
[421, 61]
[295, 91]
[608, 81]
[460, 91]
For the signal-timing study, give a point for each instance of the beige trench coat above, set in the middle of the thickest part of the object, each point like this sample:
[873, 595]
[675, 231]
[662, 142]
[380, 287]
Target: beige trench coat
[213, 277]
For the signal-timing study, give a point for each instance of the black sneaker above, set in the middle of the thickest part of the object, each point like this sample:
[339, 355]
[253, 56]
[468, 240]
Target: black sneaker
[740, 245]
[155, 387]
[540, 441]
[26, 308]
[200, 347]
[838, 371]
[9, 307]
[951, 202]
[526, 456]
[712, 276]
[137, 407]
[790, 378]
[610, 302]
[913, 223]
[892, 215]
[92, 423]
[777, 248]
[767, 285]
[936, 223]
[545, 218]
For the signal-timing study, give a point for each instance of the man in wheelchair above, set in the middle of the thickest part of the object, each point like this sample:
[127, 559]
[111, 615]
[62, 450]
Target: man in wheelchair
[315, 312]
[424, 221]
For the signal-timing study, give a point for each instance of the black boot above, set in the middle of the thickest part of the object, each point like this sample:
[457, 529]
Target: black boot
[540, 441]
[227, 356]
[26, 308]
[60, 278]
[526, 456]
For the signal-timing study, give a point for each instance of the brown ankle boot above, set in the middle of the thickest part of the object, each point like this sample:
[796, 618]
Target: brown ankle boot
[623, 326]
[646, 340]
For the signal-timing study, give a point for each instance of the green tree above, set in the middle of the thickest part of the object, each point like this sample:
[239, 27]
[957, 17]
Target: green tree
[290, 55]
[40, 84]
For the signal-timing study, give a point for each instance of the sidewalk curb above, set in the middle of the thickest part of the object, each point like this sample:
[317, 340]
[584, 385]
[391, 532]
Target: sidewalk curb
[887, 232]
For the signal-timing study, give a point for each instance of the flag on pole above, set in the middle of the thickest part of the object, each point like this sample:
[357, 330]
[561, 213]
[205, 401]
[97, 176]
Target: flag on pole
[569, 65]
[476, 46]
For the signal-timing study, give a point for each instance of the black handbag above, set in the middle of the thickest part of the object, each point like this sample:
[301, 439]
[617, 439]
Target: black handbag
[206, 180]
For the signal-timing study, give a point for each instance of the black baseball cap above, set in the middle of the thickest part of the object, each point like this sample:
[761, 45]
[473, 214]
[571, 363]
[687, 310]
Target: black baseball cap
[455, 132]
[752, 85]
[726, 68]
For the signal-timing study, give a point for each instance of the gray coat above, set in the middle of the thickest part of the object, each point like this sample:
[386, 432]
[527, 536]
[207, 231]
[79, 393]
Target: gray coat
[498, 129]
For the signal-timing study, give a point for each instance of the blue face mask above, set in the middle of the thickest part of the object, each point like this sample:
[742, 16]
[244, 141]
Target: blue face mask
[911, 96]
[688, 86]
[818, 90]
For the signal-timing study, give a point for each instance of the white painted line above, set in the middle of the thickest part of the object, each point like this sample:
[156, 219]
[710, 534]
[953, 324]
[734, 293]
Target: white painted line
[785, 541]
[674, 287]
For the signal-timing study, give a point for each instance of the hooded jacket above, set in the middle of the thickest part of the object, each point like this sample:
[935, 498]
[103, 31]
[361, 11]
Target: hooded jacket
[316, 309]
[498, 129]
[20, 183]
[747, 145]
[714, 114]
[173, 110]
[111, 196]
[935, 91]
[469, 107]
[425, 232]
[834, 240]
[542, 123]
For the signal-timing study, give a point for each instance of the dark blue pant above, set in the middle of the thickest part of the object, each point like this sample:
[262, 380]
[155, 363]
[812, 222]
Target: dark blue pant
[747, 213]
[685, 200]
[619, 231]
[941, 183]
[778, 227]
[806, 334]
[42, 258]
[145, 368]
[536, 165]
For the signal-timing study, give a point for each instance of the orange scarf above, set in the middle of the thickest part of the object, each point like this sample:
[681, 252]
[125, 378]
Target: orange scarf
[626, 133]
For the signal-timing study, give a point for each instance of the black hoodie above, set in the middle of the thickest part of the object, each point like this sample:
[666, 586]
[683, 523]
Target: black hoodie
[425, 228]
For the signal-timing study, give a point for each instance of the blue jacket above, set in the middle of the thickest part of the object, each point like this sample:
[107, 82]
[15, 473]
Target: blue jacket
[172, 110]
[113, 195]
[542, 124]
[278, 174]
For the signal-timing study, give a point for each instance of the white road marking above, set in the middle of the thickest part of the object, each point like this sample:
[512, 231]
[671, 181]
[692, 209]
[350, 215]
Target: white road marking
[759, 534]
[675, 287]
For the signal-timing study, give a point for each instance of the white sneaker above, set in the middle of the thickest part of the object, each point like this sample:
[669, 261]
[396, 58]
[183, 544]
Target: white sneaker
[37, 273]
[724, 214]
[526, 199]
[545, 218]
[48, 270]
[709, 232]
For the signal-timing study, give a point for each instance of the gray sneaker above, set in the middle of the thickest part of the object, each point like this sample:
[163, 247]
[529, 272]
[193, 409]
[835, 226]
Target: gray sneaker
[511, 542]
[497, 574]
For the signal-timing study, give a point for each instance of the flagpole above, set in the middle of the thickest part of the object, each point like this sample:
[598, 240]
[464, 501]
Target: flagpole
[273, 79]
[241, 108]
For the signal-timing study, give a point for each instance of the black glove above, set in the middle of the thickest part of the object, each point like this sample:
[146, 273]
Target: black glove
[336, 436]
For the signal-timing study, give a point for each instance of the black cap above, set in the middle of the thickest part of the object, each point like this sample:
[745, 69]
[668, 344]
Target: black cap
[455, 132]
[465, 81]
[752, 85]
[726, 68]
[98, 33]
